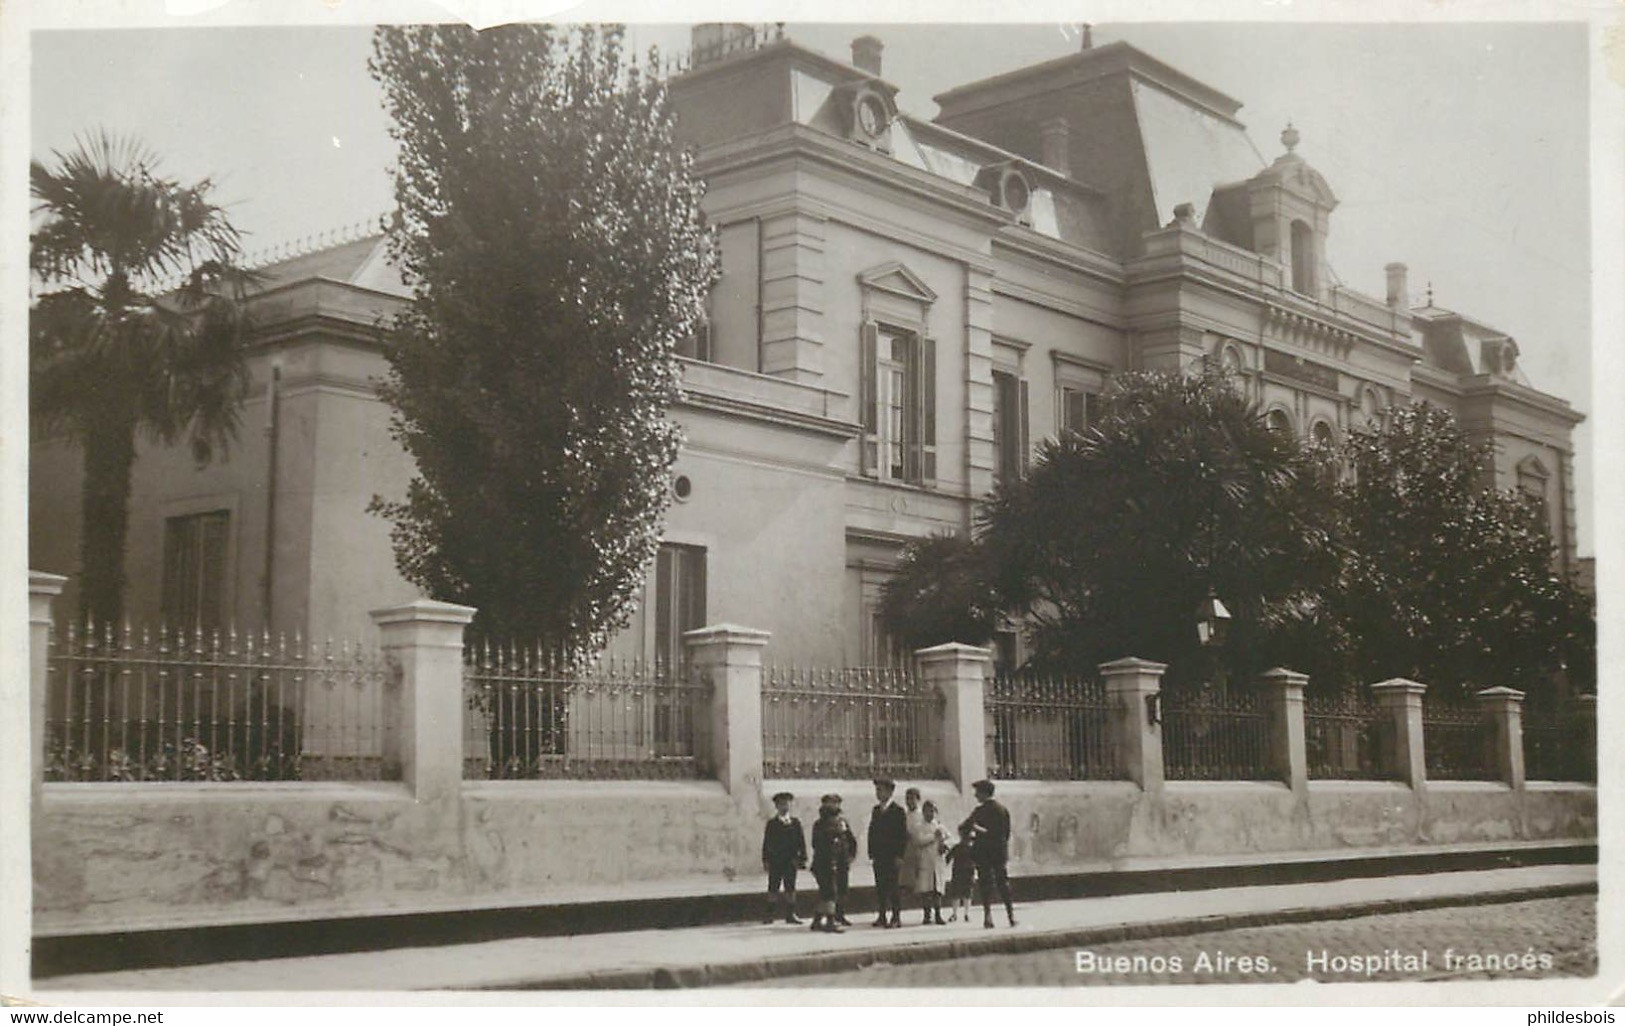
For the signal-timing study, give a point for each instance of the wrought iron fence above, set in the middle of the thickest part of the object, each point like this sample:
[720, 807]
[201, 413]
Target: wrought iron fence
[1343, 735]
[721, 41]
[1457, 743]
[533, 715]
[1559, 744]
[1215, 734]
[854, 723]
[1051, 728]
[174, 705]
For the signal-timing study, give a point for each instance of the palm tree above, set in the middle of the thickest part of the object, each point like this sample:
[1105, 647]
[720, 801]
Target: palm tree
[136, 327]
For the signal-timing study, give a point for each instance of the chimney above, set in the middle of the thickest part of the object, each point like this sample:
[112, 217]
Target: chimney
[866, 54]
[1398, 286]
[1053, 151]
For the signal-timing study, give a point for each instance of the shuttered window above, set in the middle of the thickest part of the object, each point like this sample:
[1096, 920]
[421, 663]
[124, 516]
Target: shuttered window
[898, 404]
[1074, 409]
[194, 586]
[1010, 441]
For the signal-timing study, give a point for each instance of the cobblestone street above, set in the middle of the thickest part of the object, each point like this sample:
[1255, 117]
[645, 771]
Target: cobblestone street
[1561, 929]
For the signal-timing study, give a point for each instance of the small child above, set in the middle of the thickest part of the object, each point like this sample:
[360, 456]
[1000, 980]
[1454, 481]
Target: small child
[832, 846]
[784, 850]
[962, 863]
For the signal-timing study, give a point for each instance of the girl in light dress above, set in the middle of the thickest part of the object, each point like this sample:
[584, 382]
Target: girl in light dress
[928, 840]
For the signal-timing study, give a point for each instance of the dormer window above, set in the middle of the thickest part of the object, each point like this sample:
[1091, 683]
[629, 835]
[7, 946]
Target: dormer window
[868, 116]
[1007, 186]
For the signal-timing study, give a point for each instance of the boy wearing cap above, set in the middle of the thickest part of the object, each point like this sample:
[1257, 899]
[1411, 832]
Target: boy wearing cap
[989, 824]
[888, 840]
[784, 850]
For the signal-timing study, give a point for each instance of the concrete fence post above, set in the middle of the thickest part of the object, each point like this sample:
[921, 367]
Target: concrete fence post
[1503, 710]
[1402, 752]
[42, 592]
[1134, 687]
[731, 657]
[424, 639]
[959, 673]
[1283, 697]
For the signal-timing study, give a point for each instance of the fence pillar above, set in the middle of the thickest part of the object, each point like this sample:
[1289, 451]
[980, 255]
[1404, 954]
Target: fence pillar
[1503, 709]
[1135, 688]
[959, 673]
[1289, 756]
[1402, 753]
[424, 639]
[732, 658]
[42, 592]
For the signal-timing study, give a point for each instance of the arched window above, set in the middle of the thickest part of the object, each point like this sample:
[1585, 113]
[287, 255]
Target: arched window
[1303, 259]
[1230, 360]
[1278, 421]
[1322, 434]
[1370, 403]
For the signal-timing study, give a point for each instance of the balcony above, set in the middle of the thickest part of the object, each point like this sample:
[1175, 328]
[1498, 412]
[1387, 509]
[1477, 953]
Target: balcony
[1261, 274]
[762, 396]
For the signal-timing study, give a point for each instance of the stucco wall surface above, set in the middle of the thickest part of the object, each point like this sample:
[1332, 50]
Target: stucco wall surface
[113, 857]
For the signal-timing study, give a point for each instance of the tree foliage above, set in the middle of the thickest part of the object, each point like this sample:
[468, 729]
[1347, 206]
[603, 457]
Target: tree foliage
[1387, 557]
[552, 230]
[1445, 580]
[940, 593]
[1118, 534]
[137, 329]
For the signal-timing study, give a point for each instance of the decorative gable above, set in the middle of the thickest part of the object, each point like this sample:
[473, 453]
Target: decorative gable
[896, 279]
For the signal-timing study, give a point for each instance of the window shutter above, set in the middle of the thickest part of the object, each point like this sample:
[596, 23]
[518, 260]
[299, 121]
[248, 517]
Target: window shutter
[1021, 427]
[868, 415]
[927, 393]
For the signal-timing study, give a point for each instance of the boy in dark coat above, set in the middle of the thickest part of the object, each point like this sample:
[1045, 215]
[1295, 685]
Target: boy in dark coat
[784, 850]
[989, 824]
[888, 839]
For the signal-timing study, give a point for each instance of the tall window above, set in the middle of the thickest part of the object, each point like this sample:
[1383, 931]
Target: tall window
[194, 587]
[1303, 259]
[898, 404]
[679, 598]
[1532, 477]
[1009, 426]
[679, 607]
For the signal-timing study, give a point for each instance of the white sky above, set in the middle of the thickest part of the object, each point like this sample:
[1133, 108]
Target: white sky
[1459, 149]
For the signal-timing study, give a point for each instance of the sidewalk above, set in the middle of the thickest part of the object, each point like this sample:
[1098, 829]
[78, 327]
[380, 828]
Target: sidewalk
[711, 955]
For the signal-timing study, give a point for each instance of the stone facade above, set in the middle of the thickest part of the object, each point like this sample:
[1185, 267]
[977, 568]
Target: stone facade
[906, 308]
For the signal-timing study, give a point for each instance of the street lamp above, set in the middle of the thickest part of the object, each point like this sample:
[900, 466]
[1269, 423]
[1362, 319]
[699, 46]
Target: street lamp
[1212, 621]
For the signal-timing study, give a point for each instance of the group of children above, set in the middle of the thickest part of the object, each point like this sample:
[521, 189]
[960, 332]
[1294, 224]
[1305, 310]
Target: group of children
[933, 858]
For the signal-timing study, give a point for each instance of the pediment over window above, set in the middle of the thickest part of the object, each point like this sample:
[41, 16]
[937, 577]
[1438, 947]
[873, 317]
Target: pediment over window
[1531, 466]
[898, 280]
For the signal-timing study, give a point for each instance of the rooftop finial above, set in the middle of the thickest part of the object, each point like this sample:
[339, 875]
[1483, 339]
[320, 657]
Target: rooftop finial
[1289, 137]
[1430, 293]
[1088, 37]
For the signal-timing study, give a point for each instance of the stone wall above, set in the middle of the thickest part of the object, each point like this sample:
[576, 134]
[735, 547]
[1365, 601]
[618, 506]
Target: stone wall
[130, 856]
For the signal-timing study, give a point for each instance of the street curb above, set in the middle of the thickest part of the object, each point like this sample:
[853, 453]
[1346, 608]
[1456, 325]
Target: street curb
[756, 970]
[171, 947]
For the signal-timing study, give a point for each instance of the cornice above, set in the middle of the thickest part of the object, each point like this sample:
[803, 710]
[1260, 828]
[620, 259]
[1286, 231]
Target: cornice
[1479, 386]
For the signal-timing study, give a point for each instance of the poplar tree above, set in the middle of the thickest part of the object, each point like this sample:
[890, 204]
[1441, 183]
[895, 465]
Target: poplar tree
[551, 228]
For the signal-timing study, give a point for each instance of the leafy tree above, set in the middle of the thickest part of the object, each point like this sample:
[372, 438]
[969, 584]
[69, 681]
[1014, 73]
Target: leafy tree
[552, 228]
[1445, 580]
[138, 328]
[939, 594]
[1112, 542]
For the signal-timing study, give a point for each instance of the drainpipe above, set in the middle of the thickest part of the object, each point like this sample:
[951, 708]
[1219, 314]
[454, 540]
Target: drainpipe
[273, 432]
